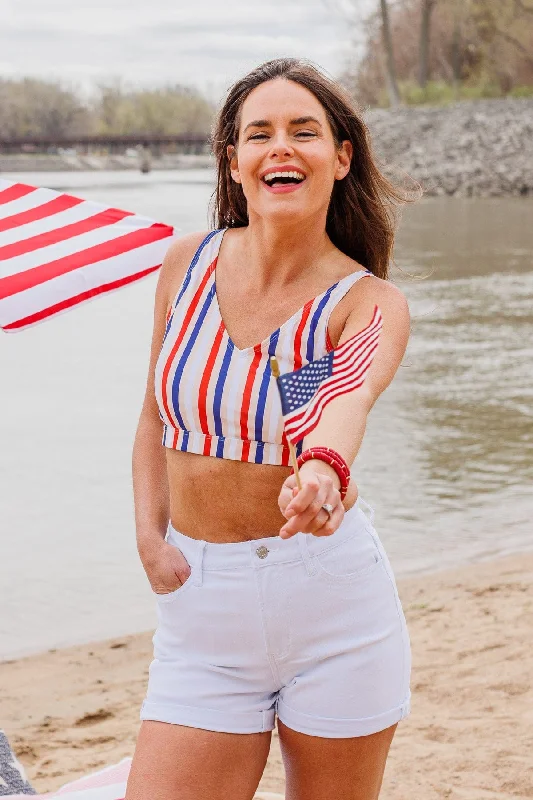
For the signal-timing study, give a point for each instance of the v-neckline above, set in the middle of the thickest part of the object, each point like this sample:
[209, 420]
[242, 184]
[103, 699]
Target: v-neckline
[253, 348]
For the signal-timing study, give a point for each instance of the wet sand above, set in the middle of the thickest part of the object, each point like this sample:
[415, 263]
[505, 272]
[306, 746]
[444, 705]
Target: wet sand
[469, 736]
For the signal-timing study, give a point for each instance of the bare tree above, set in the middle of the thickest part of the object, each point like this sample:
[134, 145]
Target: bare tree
[390, 66]
[425, 35]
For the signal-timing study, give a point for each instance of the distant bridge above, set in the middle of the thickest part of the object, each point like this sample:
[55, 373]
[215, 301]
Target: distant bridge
[175, 143]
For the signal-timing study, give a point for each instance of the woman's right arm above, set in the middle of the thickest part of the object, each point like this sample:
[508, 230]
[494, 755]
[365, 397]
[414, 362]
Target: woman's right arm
[165, 566]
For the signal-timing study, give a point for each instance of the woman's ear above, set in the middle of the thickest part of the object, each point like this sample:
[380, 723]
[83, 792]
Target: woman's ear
[233, 162]
[344, 159]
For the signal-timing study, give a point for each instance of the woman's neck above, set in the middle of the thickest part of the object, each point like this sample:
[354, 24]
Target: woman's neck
[282, 255]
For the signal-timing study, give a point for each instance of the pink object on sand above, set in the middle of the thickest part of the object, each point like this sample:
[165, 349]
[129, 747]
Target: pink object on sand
[107, 784]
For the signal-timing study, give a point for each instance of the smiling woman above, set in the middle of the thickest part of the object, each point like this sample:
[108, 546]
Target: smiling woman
[241, 560]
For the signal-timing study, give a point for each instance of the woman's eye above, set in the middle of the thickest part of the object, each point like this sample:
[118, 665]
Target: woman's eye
[258, 136]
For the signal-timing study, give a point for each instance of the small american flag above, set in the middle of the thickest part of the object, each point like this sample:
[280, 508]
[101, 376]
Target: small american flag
[57, 250]
[307, 391]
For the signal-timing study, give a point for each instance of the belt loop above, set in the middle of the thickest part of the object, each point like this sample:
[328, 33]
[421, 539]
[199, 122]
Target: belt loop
[306, 556]
[199, 564]
[370, 509]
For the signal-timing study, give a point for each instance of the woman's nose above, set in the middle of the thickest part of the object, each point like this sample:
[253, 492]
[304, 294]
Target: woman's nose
[281, 146]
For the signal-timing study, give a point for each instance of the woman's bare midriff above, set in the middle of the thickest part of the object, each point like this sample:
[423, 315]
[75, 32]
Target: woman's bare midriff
[220, 500]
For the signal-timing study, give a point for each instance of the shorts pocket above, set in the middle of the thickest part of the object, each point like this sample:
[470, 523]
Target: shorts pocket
[351, 560]
[169, 597]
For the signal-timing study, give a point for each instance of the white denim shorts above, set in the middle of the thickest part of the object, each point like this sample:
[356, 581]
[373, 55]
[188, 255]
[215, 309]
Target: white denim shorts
[308, 628]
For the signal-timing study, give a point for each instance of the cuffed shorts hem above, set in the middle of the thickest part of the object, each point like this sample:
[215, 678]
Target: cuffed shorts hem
[334, 728]
[209, 719]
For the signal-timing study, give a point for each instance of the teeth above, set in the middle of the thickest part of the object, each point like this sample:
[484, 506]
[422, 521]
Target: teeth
[272, 175]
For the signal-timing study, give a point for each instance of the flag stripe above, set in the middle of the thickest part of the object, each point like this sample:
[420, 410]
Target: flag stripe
[46, 295]
[25, 200]
[67, 254]
[333, 380]
[15, 192]
[330, 389]
[54, 206]
[61, 234]
[356, 347]
[349, 343]
[73, 301]
[83, 210]
[57, 250]
[341, 371]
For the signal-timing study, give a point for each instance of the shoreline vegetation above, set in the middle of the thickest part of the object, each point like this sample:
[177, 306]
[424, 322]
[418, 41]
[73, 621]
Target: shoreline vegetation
[469, 736]
[481, 148]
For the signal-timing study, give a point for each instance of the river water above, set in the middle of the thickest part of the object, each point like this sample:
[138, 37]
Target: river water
[447, 460]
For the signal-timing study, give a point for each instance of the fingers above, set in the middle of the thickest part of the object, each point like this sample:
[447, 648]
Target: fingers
[332, 522]
[171, 571]
[180, 565]
[305, 512]
[286, 493]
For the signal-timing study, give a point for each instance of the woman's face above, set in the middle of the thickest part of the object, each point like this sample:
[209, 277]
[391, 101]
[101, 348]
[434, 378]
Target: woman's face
[286, 158]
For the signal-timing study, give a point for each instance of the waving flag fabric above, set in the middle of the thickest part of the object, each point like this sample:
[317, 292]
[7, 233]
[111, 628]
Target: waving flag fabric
[307, 391]
[57, 251]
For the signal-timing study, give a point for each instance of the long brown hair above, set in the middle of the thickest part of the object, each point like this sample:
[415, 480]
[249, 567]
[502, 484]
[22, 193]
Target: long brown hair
[361, 218]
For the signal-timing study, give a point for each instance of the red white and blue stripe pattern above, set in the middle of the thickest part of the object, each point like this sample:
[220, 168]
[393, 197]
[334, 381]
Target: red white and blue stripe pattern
[57, 251]
[306, 392]
[216, 399]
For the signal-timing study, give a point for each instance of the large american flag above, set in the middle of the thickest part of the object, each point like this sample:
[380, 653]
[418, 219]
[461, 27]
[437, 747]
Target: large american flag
[57, 250]
[307, 391]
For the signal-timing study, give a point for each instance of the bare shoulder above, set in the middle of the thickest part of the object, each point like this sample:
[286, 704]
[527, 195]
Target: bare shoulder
[369, 292]
[356, 308]
[176, 262]
[375, 290]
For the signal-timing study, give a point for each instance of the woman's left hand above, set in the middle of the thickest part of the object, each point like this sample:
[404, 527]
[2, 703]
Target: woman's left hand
[303, 508]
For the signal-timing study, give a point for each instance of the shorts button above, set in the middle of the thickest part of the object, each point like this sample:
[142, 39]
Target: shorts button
[262, 551]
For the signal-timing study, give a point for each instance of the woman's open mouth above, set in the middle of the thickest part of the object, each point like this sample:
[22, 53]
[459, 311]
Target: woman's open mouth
[283, 181]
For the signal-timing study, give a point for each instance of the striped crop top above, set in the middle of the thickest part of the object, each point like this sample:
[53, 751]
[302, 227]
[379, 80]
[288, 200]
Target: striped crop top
[215, 399]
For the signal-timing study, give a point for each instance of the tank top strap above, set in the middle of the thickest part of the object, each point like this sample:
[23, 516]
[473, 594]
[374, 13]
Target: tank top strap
[201, 262]
[335, 296]
[344, 286]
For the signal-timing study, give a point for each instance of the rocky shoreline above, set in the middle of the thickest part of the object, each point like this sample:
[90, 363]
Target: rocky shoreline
[70, 162]
[482, 148]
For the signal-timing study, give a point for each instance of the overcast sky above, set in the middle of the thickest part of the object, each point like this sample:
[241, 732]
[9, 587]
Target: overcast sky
[206, 43]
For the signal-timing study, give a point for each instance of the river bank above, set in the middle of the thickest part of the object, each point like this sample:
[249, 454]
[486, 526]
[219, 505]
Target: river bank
[481, 148]
[79, 162]
[469, 736]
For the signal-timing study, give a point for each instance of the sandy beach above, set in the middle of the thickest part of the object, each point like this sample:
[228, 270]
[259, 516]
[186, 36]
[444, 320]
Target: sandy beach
[469, 736]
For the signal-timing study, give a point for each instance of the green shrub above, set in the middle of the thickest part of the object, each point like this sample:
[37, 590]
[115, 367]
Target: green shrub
[521, 91]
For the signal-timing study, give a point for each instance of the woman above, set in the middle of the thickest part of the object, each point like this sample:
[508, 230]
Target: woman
[270, 600]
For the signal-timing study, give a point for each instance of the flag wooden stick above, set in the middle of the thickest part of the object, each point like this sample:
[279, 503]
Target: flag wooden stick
[294, 462]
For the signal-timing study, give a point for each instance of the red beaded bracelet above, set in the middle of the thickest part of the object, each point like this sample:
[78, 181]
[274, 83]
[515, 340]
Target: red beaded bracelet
[334, 459]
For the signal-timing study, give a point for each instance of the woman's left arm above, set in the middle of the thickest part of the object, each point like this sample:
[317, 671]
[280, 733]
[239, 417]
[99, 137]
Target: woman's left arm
[343, 422]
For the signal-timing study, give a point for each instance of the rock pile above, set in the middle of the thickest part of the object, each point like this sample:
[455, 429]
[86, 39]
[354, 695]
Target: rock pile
[481, 148]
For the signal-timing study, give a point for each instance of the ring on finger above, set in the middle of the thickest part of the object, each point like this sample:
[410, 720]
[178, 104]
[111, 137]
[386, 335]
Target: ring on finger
[328, 508]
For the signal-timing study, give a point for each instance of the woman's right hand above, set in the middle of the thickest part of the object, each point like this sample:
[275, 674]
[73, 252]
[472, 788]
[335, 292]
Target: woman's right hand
[167, 569]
